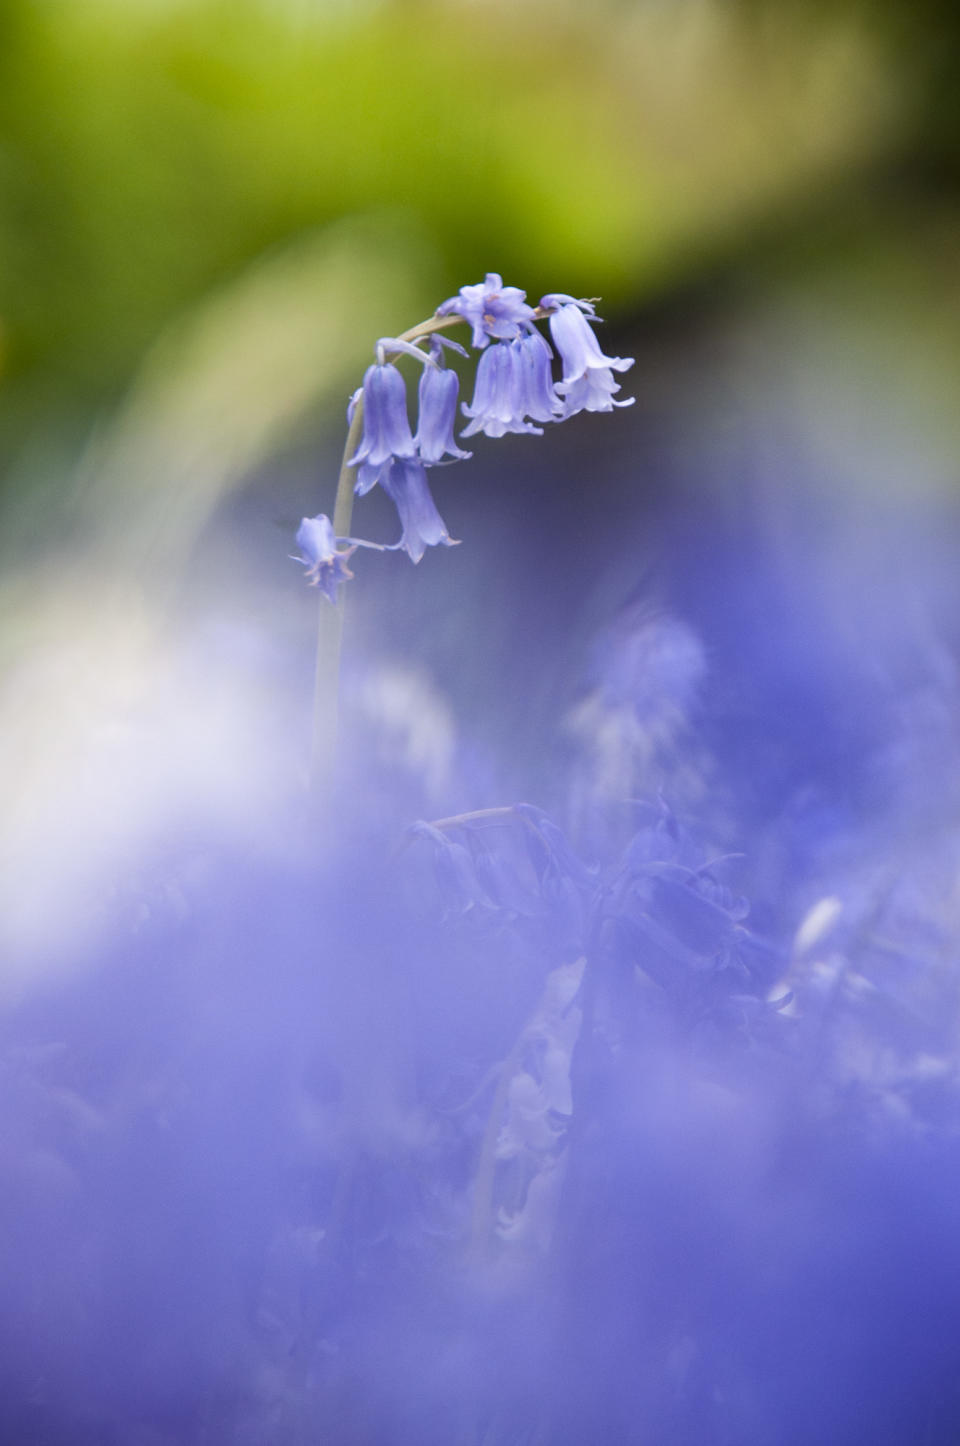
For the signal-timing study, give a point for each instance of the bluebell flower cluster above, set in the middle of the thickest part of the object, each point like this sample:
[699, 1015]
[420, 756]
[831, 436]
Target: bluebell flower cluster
[514, 391]
[659, 908]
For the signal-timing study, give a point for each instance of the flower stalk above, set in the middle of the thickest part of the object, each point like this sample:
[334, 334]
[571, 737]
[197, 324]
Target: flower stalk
[326, 687]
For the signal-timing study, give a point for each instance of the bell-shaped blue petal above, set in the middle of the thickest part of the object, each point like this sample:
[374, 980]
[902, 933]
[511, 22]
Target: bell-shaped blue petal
[326, 564]
[540, 400]
[499, 394]
[406, 483]
[459, 888]
[578, 347]
[492, 309]
[439, 389]
[386, 427]
[368, 476]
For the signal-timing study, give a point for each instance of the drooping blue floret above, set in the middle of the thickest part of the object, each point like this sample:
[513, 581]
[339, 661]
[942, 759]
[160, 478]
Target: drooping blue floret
[492, 309]
[439, 389]
[587, 384]
[325, 561]
[500, 394]
[459, 889]
[405, 481]
[386, 427]
[539, 396]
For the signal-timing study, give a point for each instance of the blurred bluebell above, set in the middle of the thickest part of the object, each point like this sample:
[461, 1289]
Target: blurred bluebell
[678, 925]
[550, 849]
[526, 872]
[492, 309]
[386, 427]
[459, 888]
[504, 871]
[405, 482]
[323, 554]
[684, 929]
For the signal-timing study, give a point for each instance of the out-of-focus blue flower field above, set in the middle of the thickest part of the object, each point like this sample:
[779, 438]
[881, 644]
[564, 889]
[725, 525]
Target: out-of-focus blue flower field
[571, 1054]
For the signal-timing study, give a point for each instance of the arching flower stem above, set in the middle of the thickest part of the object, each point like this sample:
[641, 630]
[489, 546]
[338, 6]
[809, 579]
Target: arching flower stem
[326, 688]
[330, 623]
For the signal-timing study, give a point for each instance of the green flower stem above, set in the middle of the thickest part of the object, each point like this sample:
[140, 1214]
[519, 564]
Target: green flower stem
[326, 686]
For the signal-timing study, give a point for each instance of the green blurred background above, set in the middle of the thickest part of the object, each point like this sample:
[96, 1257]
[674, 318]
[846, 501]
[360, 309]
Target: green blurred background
[208, 210]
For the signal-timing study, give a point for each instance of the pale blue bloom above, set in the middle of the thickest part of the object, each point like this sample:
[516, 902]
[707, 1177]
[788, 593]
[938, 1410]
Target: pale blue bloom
[405, 481]
[587, 383]
[539, 396]
[439, 389]
[500, 393]
[325, 555]
[492, 309]
[386, 427]
[322, 554]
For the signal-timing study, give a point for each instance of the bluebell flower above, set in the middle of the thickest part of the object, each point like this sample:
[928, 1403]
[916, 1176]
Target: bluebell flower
[322, 555]
[587, 384]
[460, 890]
[540, 400]
[439, 389]
[405, 481]
[500, 393]
[386, 427]
[492, 309]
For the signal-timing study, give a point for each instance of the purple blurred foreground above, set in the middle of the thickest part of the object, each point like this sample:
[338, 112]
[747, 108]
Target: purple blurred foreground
[627, 1117]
